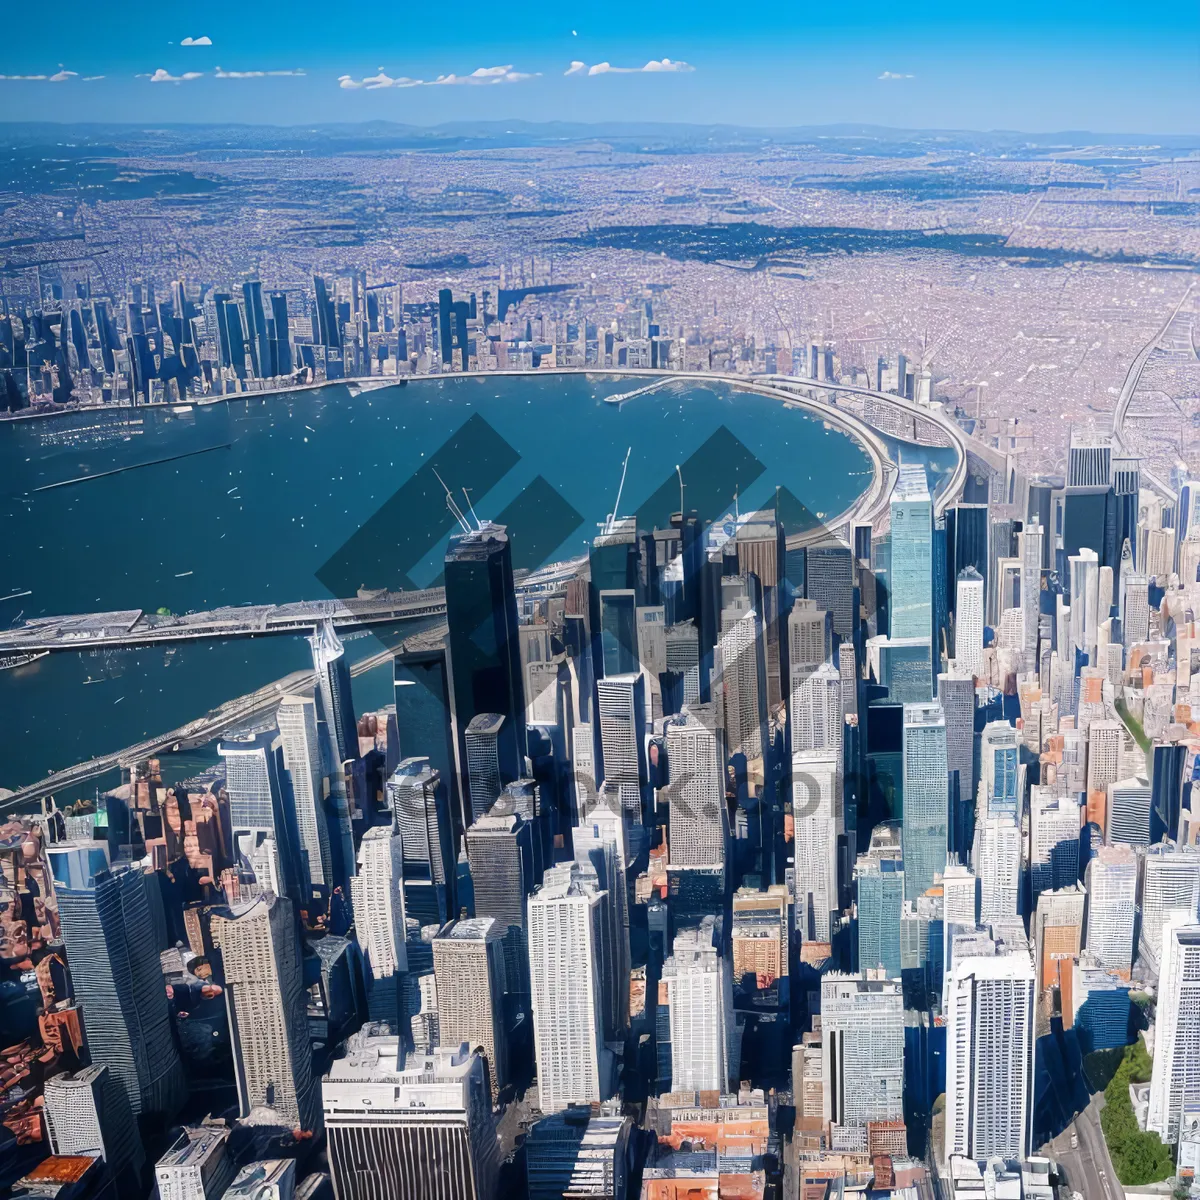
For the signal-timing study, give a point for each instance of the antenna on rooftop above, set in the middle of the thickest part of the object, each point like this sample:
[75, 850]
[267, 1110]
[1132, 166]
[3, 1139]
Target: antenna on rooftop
[471, 508]
[451, 505]
[612, 518]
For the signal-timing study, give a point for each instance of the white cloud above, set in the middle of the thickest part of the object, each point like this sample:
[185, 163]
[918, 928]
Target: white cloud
[200, 41]
[164, 76]
[221, 73]
[91, 78]
[480, 77]
[59, 76]
[653, 67]
[894, 75]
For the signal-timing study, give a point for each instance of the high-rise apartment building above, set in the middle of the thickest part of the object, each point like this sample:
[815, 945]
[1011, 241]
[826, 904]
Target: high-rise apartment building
[700, 995]
[862, 1049]
[968, 622]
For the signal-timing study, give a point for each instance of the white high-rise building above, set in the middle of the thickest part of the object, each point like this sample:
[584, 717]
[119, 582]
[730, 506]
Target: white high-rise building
[1170, 880]
[809, 638]
[815, 713]
[700, 995]
[739, 677]
[1084, 572]
[1031, 580]
[698, 816]
[565, 941]
[420, 1130]
[926, 797]
[267, 1006]
[197, 1165]
[968, 622]
[622, 707]
[862, 1049]
[1112, 880]
[816, 814]
[377, 893]
[87, 1112]
[297, 721]
[1104, 740]
[998, 853]
[1053, 840]
[1175, 1079]
[960, 891]
[990, 1056]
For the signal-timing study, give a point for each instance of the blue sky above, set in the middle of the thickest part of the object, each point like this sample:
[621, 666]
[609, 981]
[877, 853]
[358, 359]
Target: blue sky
[1062, 64]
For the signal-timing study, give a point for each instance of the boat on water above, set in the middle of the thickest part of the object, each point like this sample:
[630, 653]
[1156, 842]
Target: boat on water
[9, 662]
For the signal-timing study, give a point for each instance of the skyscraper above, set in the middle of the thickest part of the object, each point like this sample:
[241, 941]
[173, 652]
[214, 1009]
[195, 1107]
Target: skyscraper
[565, 938]
[968, 622]
[696, 758]
[912, 555]
[1058, 934]
[421, 813]
[468, 964]
[297, 720]
[418, 1132]
[880, 905]
[862, 1049]
[1170, 880]
[87, 1112]
[700, 995]
[760, 936]
[1175, 1079]
[197, 1165]
[622, 706]
[999, 853]
[483, 643]
[739, 658]
[265, 999]
[109, 937]
[377, 891]
[817, 821]
[815, 714]
[926, 793]
[482, 741]
[990, 1056]
[1112, 881]
[256, 808]
[1053, 840]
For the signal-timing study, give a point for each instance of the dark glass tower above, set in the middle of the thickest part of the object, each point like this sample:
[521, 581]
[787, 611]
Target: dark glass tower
[483, 644]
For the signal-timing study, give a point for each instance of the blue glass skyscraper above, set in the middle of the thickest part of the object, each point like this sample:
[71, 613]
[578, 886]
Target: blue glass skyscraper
[912, 555]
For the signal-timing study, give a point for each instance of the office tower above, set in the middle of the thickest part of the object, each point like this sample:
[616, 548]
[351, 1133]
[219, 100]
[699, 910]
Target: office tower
[998, 856]
[266, 1000]
[468, 966]
[501, 855]
[904, 668]
[810, 641]
[1058, 934]
[423, 1131]
[989, 1056]
[600, 842]
[1053, 840]
[1128, 817]
[1175, 1079]
[1112, 879]
[482, 740]
[108, 933]
[256, 324]
[815, 714]
[483, 643]
[281, 346]
[1135, 609]
[926, 796]
[700, 995]
[862, 1049]
[256, 810]
[197, 1165]
[880, 905]
[297, 721]
[968, 622]
[956, 695]
[377, 893]
[1031, 591]
[817, 820]
[1170, 880]
[87, 1112]
[565, 942]
[760, 936]
[998, 767]
[696, 792]
[1104, 741]
[621, 700]
[1084, 571]
[829, 582]
[333, 693]
[912, 555]
[739, 654]
[960, 892]
[422, 819]
[613, 570]
[683, 658]
[575, 1154]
